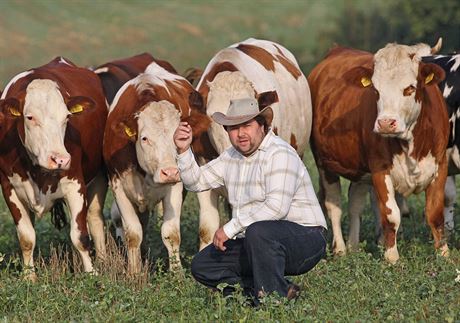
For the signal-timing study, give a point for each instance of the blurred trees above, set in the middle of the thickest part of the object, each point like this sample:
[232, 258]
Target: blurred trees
[369, 25]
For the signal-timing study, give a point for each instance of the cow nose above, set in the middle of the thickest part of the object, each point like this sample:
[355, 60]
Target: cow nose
[58, 161]
[169, 175]
[387, 125]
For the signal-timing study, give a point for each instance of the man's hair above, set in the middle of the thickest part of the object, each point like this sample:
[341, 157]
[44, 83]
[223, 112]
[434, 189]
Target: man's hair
[262, 122]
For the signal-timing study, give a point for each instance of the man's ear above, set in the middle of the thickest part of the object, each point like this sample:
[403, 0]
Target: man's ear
[126, 128]
[11, 108]
[79, 104]
[267, 98]
[430, 74]
[359, 76]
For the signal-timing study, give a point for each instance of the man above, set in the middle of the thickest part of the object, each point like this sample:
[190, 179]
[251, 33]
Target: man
[277, 226]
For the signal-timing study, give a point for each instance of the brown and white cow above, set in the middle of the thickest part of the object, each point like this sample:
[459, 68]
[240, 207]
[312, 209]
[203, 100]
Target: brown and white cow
[140, 153]
[116, 73]
[381, 119]
[51, 150]
[258, 69]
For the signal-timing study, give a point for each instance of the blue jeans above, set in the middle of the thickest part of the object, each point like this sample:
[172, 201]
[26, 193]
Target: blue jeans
[260, 261]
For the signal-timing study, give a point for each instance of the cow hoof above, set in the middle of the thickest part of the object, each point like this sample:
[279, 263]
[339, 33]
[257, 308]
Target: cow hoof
[30, 276]
[444, 251]
[392, 255]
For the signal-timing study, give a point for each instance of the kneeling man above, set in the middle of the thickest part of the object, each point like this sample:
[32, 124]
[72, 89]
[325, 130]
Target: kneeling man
[277, 226]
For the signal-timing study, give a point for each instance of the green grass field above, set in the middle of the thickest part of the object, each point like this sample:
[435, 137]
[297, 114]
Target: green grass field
[359, 287]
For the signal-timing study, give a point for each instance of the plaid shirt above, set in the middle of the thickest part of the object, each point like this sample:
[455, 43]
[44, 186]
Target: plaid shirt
[271, 184]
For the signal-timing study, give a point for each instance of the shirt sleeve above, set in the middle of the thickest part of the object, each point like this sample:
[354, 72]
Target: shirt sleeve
[196, 178]
[282, 171]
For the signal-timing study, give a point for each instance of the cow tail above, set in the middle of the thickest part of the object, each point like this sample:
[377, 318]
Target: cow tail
[58, 216]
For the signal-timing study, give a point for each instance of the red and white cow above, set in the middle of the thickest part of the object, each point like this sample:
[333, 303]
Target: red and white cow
[381, 119]
[51, 150]
[140, 153]
[258, 69]
[116, 73]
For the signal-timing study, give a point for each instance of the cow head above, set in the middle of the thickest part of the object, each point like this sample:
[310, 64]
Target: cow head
[151, 130]
[399, 79]
[43, 114]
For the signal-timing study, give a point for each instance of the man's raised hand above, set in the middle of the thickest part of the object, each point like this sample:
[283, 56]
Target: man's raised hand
[183, 137]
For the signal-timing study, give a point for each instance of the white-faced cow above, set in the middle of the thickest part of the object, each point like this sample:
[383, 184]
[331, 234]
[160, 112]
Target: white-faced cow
[116, 73]
[380, 119]
[258, 69]
[51, 151]
[140, 153]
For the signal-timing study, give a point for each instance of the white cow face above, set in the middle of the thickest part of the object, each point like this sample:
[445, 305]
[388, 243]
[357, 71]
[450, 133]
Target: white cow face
[396, 69]
[155, 149]
[226, 86]
[45, 122]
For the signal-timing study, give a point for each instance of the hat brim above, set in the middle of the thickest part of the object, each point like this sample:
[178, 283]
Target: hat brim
[224, 120]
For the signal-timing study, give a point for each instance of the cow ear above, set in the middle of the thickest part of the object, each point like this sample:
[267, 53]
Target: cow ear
[359, 76]
[126, 129]
[10, 108]
[430, 74]
[267, 98]
[78, 104]
[196, 101]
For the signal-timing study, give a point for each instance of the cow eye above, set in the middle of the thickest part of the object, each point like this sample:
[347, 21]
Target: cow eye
[144, 139]
[30, 118]
[409, 90]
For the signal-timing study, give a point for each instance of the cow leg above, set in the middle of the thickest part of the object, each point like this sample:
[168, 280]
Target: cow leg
[209, 216]
[434, 208]
[26, 234]
[450, 195]
[170, 229]
[115, 216]
[131, 227]
[144, 219]
[390, 216]
[357, 194]
[96, 197]
[331, 193]
[76, 202]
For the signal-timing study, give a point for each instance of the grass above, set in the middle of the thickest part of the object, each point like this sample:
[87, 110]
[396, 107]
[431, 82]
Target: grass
[359, 287]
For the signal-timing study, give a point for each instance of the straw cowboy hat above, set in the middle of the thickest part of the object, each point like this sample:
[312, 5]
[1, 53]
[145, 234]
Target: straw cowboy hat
[241, 111]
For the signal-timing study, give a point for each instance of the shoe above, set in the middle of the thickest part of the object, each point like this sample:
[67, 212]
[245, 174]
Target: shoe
[293, 291]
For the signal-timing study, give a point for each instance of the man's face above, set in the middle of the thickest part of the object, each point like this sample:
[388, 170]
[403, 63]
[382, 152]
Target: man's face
[246, 137]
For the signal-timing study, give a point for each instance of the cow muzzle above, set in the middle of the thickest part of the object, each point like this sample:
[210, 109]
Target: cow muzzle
[387, 126]
[169, 175]
[59, 161]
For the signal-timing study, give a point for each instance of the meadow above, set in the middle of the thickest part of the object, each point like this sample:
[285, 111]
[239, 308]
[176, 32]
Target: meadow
[422, 286]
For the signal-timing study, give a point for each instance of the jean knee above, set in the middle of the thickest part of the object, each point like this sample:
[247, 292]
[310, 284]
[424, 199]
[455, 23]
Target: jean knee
[196, 267]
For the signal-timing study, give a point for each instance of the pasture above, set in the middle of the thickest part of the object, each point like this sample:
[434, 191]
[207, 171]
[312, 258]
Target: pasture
[422, 286]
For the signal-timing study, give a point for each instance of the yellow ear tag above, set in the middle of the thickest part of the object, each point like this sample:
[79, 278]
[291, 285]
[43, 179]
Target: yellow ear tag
[76, 108]
[429, 78]
[365, 81]
[129, 131]
[14, 112]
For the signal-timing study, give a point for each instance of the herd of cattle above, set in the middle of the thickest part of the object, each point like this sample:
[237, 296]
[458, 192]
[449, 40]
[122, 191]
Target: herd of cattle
[67, 133]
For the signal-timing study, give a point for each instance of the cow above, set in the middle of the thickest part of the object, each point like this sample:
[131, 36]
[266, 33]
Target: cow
[258, 69]
[116, 73]
[380, 119]
[51, 152]
[140, 154]
[450, 88]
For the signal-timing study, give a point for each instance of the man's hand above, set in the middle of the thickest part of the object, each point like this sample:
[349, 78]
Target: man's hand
[219, 238]
[183, 137]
